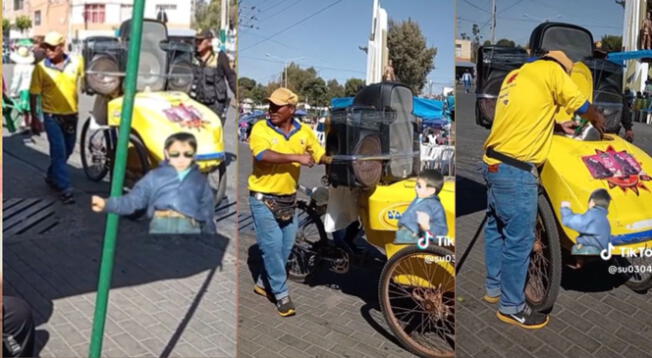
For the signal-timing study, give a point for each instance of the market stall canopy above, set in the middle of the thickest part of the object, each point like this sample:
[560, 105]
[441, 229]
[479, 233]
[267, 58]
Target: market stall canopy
[621, 57]
[428, 109]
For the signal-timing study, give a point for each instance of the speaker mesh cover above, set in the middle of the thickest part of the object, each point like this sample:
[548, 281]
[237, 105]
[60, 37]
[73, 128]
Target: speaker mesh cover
[368, 172]
[99, 82]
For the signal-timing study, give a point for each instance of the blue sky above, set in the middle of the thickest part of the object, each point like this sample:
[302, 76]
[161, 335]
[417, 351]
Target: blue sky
[517, 18]
[329, 41]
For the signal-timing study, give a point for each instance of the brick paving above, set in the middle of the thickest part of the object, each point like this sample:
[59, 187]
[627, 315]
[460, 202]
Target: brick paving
[171, 296]
[337, 315]
[612, 321]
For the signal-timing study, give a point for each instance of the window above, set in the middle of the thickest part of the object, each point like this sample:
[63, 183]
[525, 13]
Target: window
[19, 4]
[166, 7]
[94, 13]
[458, 50]
[37, 18]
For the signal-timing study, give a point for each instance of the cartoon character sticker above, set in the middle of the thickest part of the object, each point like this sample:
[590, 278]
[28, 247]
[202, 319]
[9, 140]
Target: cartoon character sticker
[619, 169]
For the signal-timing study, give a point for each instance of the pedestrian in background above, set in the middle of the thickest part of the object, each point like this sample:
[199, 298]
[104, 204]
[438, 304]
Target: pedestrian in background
[56, 80]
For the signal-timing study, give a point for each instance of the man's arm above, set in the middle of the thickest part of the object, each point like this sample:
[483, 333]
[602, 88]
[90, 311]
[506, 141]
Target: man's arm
[231, 77]
[270, 156]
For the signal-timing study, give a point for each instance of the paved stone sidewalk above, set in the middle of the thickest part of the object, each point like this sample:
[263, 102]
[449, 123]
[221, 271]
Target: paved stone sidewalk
[337, 315]
[171, 296]
[593, 316]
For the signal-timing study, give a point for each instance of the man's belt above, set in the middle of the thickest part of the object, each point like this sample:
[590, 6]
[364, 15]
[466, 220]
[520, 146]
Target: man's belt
[519, 164]
[169, 214]
[260, 196]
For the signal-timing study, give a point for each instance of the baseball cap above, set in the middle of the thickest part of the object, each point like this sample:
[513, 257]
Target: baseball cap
[54, 38]
[560, 57]
[204, 34]
[283, 96]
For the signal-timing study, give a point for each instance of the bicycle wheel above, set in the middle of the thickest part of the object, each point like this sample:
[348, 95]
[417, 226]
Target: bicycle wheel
[417, 297]
[138, 163]
[96, 148]
[304, 255]
[544, 271]
[636, 280]
[217, 182]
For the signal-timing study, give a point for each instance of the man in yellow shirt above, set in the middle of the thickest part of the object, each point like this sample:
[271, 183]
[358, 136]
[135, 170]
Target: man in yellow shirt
[518, 144]
[280, 146]
[56, 80]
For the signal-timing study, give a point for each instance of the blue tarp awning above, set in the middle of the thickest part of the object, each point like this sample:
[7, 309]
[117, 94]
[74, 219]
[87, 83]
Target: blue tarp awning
[428, 109]
[341, 102]
[621, 57]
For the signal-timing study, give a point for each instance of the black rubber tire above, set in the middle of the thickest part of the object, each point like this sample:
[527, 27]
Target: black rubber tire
[547, 227]
[304, 256]
[141, 153]
[636, 282]
[83, 149]
[388, 311]
[221, 187]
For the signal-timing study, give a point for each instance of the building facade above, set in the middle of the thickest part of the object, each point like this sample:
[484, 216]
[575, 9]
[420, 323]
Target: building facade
[78, 19]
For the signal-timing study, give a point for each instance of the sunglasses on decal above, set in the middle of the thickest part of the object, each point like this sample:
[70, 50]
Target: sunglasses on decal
[185, 154]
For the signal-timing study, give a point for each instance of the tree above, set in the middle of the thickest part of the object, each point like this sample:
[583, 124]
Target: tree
[6, 25]
[259, 93]
[207, 16]
[506, 43]
[465, 36]
[353, 86]
[334, 89]
[23, 23]
[245, 87]
[486, 43]
[315, 92]
[411, 57]
[476, 33]
[611, 43]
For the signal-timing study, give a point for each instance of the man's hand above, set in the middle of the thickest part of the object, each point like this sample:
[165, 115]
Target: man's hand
[565, 204]
[423, 220]
[596, 118]
[97, 204]
[306, 160]
[569, 127]
[629, 135]
[36, 125]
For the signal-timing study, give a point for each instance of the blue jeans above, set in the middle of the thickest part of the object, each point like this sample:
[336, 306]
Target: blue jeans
[509, 235]
[275, 240]
[161, 225]
[62, 143]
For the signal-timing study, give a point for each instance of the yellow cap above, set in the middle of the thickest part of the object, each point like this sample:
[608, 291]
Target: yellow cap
[54, 38]
[282, 96]
[561, 57]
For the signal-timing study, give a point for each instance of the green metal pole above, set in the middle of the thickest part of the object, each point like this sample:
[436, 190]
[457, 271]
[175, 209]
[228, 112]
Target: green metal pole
[108, 251]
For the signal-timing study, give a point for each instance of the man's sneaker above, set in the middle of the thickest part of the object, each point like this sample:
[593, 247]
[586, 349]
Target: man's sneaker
[67, 197]
[51, 184]
[491, 299]
[285, 307]
[527, 318]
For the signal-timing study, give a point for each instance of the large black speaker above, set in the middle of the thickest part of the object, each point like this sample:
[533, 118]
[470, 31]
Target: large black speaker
[375, 140]
[608, 91]
[494, 63]
[575, 41]
[102, 55]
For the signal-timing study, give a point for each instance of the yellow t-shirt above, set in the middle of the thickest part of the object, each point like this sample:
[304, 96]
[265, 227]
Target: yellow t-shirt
[58, 88]
[280, 179]
[528, 100]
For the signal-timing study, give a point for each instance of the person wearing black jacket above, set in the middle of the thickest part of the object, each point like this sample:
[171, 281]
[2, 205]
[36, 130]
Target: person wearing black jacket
[211, 74]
